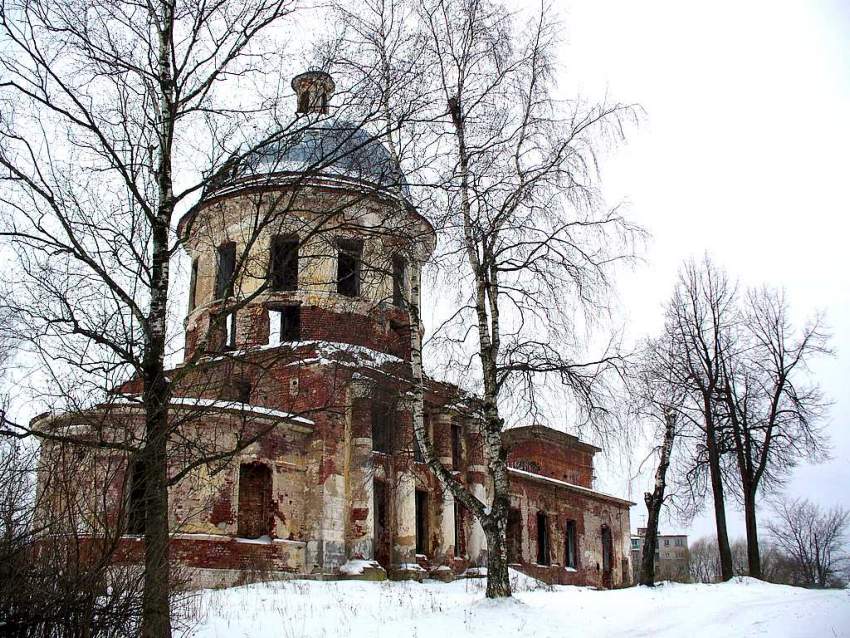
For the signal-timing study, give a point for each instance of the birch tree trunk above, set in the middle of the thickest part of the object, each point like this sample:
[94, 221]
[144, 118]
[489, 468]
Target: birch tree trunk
[654, 500]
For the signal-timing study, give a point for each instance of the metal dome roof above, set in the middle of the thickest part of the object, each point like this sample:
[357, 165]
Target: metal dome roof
[328, 147]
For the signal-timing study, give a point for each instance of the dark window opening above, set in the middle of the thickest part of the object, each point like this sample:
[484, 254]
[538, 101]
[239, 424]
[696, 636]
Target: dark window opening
[290, 323]
[193, 284]
[382, 531]
[570, 549]
[283, 264]
[225, 268]
[304, 102]
[457, 446]
[459, 543]
[514, 536]
[255, 496]
[421, 522]
[222, 332]
[399, 272]
[348, 267]
[380, 427]
[136, 504]
[542, 538]
[243, 391]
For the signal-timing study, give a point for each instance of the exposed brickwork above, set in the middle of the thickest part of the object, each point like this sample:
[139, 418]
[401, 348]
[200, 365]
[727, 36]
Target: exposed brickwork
[312, 489]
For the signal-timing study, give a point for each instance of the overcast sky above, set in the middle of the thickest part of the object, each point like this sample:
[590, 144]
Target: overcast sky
[743, 153]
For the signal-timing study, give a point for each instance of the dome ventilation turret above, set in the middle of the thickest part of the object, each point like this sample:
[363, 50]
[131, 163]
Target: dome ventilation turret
[314, 90]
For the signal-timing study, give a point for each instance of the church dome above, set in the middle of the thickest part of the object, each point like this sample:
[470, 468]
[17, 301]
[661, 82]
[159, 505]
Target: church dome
[318, 148]
[329, 147]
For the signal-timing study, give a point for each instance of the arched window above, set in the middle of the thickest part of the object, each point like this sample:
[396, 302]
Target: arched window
[254, 517]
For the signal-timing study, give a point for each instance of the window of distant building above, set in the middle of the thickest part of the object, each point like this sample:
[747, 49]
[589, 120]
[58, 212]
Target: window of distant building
[635, 543]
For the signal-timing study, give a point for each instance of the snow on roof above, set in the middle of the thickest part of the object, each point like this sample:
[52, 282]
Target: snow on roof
[570, 486]
[215, 404]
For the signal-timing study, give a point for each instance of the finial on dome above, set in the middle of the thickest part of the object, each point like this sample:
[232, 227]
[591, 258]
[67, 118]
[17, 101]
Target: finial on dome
[314, 90]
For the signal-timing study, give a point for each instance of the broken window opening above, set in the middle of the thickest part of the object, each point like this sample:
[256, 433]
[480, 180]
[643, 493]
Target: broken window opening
[284, 325]
[542, 538]
[243, 391]
[570, 549]
[225, 268]
[457, 446]
[193, 284]
[421, 522]
[460, 548]
[349, 260]
[283, 263]
[255, 496]
[381, 427]
[399, 280]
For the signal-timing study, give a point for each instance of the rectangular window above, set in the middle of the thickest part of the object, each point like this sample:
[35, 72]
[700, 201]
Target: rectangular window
[570, 550]
[459, 549]
[193, 284]
[399, 278]
[284, 325]
[417, 451]
[136, 500]
[542, 538]
[225, 268]
[635, 543]
[222, 332]
[283, 263]
[421, 522]
[348, 267]
[380, 427]
[666, 542]
[457, 446]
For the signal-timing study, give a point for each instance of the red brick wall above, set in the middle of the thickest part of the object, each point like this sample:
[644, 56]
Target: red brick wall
[543, 457]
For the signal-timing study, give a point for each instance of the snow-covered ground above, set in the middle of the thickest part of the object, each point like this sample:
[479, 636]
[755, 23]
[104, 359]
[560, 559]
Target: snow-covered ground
[745, 607]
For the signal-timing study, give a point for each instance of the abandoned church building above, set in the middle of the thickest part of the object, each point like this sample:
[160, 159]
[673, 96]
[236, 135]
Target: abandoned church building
[297, 353]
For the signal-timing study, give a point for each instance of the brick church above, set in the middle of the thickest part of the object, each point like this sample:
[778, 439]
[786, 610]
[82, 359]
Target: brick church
[316, 242]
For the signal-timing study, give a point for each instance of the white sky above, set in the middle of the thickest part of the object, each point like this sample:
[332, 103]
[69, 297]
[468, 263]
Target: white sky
[743, 153]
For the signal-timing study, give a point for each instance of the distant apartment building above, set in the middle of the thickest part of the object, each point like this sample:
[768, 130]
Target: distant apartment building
[672, 559]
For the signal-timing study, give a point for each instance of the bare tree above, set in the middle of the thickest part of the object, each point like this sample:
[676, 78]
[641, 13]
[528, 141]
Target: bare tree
[657, 400]
[813, 538]
[117, 117]
[699, 324]
[772, 413]
[513, 194]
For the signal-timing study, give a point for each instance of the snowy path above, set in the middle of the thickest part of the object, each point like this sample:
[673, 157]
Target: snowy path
[305, 609]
